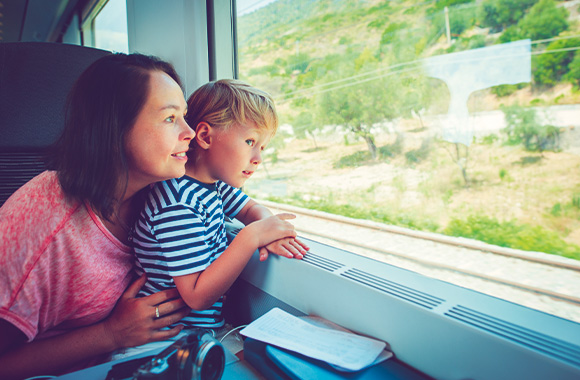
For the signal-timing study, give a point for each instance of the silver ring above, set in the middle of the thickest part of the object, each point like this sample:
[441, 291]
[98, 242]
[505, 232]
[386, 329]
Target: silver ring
[156, 311]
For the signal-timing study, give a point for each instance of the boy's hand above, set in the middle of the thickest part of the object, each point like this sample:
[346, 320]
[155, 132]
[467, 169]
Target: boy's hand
[287, 247]
[273, 228]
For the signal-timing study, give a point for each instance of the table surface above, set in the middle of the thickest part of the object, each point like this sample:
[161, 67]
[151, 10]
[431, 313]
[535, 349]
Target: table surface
[235, 368]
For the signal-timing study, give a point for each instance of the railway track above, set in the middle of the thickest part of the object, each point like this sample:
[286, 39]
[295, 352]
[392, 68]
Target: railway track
[545, 282]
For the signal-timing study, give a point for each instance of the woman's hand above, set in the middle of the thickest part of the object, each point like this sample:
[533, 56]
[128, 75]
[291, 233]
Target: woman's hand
[287, 247]
[134, 322]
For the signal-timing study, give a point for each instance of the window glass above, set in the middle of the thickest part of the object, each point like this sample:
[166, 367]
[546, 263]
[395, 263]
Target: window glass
[110, 27]
[455, 118]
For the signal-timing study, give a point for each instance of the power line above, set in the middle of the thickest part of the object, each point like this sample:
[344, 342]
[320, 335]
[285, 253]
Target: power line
[349, 84]
[554, 39]
[322, 88]
[252, 5]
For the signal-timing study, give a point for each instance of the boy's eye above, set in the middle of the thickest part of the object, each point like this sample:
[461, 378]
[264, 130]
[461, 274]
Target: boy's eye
[250, 142]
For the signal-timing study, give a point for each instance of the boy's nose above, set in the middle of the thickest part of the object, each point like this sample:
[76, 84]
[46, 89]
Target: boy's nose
[257, 160]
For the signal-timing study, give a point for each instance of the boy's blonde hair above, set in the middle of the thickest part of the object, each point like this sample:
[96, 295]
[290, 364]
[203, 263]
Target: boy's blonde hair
[227, 101]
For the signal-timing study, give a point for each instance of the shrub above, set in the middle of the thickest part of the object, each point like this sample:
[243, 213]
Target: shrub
[576, 200]
[502, 173]
[557, 63]
[574, 70]
[353, 160]
[523, 128]
[390, 32]
[507, 89]
[513, 235]
[420, 154]
[489, 139]
[545, 20]
[499, 14]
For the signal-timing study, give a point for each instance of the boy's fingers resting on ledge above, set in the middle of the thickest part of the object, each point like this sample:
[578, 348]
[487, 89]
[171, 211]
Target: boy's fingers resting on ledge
[286, 216]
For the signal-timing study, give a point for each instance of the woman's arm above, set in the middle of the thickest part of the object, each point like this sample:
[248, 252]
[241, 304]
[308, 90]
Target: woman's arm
[49, 356]
[131, 323]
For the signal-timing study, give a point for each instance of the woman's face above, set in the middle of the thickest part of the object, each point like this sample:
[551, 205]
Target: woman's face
[156, 145]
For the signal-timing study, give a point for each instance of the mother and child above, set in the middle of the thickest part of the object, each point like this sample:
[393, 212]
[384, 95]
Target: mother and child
[138, 173]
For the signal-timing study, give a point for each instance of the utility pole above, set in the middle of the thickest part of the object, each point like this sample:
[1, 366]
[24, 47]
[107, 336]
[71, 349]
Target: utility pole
[447, 30]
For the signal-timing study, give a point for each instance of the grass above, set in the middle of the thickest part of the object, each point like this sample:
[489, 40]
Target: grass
[512, 234]
[509, 234]
[398, 219]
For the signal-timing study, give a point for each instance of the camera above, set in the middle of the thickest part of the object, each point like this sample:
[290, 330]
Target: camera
[195, 356]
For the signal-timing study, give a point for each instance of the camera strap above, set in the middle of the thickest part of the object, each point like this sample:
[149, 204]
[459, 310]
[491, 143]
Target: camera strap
[126, 369]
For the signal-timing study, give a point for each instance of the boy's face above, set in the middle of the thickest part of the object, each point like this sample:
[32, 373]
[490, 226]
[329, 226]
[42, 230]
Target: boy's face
[235, 153]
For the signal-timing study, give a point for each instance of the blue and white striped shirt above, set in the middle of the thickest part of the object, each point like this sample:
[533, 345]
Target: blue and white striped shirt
[182, 231]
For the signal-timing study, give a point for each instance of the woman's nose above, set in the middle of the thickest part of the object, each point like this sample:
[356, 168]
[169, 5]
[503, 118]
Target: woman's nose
[188, 133]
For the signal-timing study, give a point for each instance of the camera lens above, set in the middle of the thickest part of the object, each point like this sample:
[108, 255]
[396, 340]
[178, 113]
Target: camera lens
[210, 361]
[184, 365]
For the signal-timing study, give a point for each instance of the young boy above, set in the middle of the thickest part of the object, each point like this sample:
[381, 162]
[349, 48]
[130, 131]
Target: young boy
[180, 238]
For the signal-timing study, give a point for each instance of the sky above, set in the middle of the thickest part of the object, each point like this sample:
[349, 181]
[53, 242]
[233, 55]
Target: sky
[246, 6]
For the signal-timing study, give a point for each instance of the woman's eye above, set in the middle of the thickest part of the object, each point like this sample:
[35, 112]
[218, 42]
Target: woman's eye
[250, 142]
[170, 119]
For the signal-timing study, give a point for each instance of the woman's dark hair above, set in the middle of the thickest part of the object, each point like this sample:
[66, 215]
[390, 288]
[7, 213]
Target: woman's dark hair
[101, 108]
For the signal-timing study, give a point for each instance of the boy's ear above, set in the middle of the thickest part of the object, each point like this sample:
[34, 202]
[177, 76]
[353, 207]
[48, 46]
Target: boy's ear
[203, 135]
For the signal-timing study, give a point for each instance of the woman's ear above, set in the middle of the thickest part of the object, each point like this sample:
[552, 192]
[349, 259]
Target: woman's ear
[203, 135]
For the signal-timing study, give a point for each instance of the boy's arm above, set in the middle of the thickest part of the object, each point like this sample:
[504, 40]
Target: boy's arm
[202, 289]
[253, 211]
[288, 247]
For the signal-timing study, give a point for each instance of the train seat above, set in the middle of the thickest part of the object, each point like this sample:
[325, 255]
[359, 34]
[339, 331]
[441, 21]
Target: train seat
[35, 78]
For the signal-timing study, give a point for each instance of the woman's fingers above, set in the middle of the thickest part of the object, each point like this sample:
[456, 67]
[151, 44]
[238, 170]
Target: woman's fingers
[134, 320]
[166, 334]
[162, 296]
[134, 288]
[169, 319]
[170, 307]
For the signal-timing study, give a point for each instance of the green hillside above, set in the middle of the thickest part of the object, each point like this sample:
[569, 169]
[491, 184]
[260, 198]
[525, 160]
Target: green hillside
[291, 45]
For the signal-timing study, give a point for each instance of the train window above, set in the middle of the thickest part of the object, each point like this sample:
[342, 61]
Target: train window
[454, 122]
[110, 27]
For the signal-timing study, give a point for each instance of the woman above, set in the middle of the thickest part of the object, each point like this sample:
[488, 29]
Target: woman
[65, 264]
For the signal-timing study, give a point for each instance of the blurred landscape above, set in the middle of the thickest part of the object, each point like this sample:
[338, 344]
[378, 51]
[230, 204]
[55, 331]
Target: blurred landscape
[364, 127]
